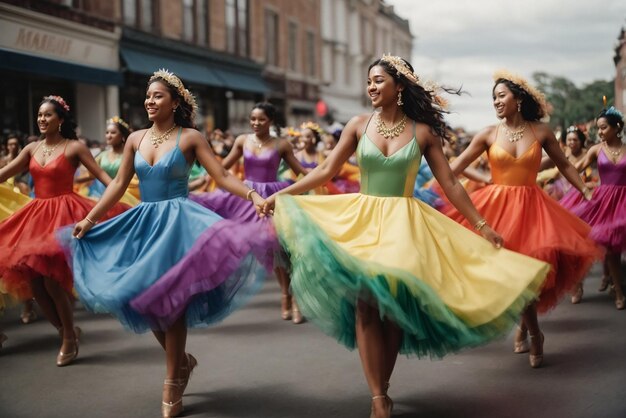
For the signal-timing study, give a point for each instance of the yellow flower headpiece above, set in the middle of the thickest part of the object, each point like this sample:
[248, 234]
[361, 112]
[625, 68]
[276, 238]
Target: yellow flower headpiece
[173, 80]
[401, 67]
[293, 132]
[120, 121]
[312, 126]
[524, 85]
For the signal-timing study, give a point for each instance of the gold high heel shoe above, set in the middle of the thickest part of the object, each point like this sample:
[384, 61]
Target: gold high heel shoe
[188, 369]
[285, 307]
[296, 314]
[620, 303]
[172, 409]
[536, 359]
[520, 344]
[388, 408]
[64, 359]
[578, 295]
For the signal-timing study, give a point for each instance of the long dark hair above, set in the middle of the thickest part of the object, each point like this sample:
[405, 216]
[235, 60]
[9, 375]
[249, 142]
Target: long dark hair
[183, 115]
[530, 108]
[68, 127]
[418, 103]
[271, 113]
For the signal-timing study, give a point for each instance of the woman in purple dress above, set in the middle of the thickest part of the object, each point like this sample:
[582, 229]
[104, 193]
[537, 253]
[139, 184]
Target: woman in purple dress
[262, 153]
[606, 211]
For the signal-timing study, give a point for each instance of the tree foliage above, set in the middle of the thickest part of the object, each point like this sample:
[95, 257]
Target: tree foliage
[571, 104]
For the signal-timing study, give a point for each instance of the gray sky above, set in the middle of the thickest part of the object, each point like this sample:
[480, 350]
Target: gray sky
[462, 42]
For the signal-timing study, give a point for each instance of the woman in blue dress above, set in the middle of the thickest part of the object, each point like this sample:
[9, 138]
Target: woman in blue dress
[169, 263]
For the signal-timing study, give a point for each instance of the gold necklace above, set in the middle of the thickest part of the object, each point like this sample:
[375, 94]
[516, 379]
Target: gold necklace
[47, 151]
[615, 154]
[514, 136]
[390, 133]
[159, 139]
[259, 144]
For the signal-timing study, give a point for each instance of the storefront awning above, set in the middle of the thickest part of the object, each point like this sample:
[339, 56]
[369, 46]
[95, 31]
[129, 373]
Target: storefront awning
[193, 70]
[26, 63]
[189, 71]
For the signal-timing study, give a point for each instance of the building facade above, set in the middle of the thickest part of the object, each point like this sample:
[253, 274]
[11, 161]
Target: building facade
[354, 33]
[48, 48]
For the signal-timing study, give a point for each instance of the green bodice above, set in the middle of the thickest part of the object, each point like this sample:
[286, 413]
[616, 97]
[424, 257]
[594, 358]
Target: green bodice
[110, 167]
[388, 176]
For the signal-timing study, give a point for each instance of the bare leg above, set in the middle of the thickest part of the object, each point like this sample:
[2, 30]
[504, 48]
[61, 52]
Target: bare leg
[370, 341]
[45, 302]
[63, 308]
[160, 336]
[536, 337]
[28, 313]
[392, 335]
[175, 340]
[285, 299]
[613, 262]
[606, 276]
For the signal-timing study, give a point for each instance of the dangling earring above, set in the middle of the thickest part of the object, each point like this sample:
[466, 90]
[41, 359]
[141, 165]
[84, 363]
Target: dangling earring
[174, 110]
[400, 102]
[519, 107]
[60, 127]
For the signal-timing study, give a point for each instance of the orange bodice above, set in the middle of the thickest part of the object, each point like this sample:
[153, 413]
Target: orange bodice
[510, 171]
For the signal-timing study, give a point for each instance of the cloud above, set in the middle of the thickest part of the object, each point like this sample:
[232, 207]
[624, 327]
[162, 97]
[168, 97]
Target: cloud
[464, 42]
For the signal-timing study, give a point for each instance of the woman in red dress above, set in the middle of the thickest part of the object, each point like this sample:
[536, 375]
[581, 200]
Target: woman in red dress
[32, 262]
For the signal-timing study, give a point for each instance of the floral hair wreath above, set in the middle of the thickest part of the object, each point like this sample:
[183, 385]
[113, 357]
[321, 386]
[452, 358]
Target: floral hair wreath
[312, 126]
[401, 67]
[59, 100]
[119, 121]
[524, 85]
[173, 80]
[292, 132]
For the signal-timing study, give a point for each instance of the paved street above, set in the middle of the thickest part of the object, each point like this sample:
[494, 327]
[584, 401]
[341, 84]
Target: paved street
[255, 365]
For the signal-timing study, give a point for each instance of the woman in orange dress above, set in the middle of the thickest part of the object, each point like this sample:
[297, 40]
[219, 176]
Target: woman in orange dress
[530, 221]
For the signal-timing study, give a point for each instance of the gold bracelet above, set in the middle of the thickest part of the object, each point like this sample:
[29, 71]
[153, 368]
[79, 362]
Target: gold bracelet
[249, 194]
[480, 224]
[90, 221]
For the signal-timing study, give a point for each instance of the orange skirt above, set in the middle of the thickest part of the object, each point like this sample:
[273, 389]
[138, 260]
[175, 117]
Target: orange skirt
[533, 224]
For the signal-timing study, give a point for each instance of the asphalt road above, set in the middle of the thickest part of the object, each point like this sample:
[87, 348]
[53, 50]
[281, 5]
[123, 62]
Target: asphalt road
[256, 365]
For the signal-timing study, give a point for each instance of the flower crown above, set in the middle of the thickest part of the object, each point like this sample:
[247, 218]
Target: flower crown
[293, 132]
[59, 100]
[312, 126]
[401, 67]
[524, 85]
[119, 121]
[173, 80]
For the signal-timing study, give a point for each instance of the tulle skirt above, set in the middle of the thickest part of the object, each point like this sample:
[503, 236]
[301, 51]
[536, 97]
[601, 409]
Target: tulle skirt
[28, 245]
[534, 224]
[444, 286]
[162, 260]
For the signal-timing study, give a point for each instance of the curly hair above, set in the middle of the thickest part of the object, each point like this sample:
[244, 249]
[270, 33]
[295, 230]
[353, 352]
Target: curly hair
[68, 127]
[183, 115]
[419, 104]
[613, 118]
[530, 109]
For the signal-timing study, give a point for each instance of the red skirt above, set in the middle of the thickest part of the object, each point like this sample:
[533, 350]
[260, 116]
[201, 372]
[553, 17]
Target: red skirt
[28, 245]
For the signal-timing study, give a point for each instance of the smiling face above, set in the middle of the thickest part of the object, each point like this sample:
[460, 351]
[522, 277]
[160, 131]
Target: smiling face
[573, 143]
[113, 135]
[606, 132]
[381, 87]
[48, 120]
[259, 122]
[159, 102]
[504, 101]
[307, 139]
